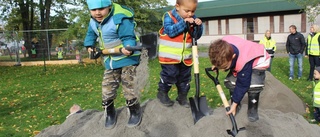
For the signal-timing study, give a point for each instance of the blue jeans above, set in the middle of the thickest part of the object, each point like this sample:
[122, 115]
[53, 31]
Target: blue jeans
[292, 58]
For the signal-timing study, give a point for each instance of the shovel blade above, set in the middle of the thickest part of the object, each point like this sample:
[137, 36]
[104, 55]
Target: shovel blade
[199, 108]
[203, 105]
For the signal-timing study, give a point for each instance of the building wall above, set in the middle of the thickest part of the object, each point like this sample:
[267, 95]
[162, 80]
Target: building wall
[235, 26]
[263, 24]
[279, 26]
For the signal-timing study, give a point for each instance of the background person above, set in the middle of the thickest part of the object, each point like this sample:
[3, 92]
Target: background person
[269, 45]
[295, 46]
[316, 94]
[313, 49]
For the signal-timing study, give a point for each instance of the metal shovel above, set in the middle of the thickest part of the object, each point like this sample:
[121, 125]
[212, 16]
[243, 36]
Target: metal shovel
[225, 102]
[198, 105]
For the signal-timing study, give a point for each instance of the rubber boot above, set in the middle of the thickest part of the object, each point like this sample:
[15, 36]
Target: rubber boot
[182, 100]
[239, 104]
[135, 112]
[164, 98]
[110, 114]
[253, 100]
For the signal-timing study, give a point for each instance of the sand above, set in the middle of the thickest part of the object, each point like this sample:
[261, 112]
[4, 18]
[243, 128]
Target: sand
[280, 113]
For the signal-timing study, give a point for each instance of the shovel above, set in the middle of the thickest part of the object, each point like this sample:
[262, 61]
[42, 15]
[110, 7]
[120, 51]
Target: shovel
[198, 105]
[226, 105]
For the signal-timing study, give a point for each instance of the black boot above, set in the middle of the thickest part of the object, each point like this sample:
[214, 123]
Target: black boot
[253, 100]
[183, 89]
[135, 112]
[164, 98]
[110, 114]
[182, 99]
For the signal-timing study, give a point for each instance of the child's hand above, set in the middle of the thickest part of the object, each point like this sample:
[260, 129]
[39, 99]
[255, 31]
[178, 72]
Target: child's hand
[198, 21]
[125, 52]
[190, 20]
[233, 109]
[89, 50]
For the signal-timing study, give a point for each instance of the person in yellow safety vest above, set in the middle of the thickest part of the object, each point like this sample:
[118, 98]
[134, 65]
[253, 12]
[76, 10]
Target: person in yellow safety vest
[269, 45]
[313, 49]
[60, 54]
[316, 94]
[33, 52]
[175, 51]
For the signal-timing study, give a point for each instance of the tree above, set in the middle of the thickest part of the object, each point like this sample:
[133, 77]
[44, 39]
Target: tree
[311, 7]
[147, 16]
[24, 14]
[27, 10]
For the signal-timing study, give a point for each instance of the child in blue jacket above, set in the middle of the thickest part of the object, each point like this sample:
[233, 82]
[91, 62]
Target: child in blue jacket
[113, 26]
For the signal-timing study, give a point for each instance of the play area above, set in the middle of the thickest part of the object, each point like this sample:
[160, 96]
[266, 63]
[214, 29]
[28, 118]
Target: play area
[282, 117]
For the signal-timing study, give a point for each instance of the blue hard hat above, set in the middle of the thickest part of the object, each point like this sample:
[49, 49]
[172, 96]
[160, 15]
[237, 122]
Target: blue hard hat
[96, 4]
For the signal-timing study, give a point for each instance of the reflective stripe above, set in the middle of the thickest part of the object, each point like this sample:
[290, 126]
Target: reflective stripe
[112, 44]
[176, 49]
[313, 45]
[316, 94]
[168, 55]
[174, 44]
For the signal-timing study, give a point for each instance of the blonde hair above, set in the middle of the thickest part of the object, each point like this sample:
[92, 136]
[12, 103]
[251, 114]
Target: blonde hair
[316, 28]
[265, 34]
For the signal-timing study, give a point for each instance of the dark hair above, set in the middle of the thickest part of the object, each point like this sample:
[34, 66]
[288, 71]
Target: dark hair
[220, 54]
[293, 26]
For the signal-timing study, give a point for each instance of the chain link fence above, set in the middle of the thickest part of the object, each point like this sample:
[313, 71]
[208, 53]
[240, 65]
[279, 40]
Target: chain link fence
[39, 45]
[50, 45]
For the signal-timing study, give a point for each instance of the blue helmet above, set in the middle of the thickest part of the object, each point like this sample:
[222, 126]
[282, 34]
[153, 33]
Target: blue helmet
[96, 4]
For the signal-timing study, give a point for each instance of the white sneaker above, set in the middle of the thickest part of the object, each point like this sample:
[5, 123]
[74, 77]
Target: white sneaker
[290, 78]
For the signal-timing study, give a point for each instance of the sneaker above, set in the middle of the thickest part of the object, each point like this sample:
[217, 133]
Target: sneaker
[290, 78]
[299, 77]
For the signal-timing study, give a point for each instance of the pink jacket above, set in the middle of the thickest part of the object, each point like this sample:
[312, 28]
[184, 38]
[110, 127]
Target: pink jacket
[248, 51]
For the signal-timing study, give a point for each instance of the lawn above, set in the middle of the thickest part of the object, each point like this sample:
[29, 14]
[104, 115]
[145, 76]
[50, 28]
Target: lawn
[33, 99]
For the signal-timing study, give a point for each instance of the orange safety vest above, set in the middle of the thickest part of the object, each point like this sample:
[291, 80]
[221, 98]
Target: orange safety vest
[176, 49]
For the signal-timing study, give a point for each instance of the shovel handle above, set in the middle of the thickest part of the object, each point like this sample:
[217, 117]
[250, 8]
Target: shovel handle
[218, 86]
[235, 129]
[193, 32]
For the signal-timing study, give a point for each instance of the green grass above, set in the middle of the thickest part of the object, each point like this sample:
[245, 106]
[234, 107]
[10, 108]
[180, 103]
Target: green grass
[31, 99]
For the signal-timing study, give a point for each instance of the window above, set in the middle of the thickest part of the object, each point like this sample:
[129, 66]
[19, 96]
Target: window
[250, 25]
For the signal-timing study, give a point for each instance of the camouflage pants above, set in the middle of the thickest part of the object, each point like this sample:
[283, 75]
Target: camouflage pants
[113, 78]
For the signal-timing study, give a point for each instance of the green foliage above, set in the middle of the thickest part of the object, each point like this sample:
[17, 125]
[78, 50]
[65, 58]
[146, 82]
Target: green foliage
[31, 99]
[311, 7]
